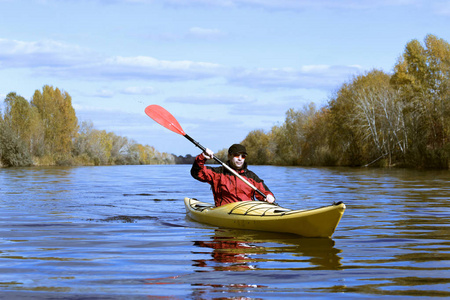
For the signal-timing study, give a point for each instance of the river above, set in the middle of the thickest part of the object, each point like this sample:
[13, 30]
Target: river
[121, 232]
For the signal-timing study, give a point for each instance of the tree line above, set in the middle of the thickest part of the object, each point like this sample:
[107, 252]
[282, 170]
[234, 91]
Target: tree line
[45, 131]
[376, 119]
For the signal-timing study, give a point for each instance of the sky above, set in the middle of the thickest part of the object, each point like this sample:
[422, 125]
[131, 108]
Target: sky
[222, 68]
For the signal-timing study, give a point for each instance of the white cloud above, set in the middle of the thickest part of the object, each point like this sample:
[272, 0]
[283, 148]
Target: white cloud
[211, 99]
[309, 77]
[205, 33]
[59, 59]
[47, 53]
[276, 4]
[139, 67]
[290, 4]
[134, 90]
[104, 93]
[110, 93]
[442, 8]
[68, 61]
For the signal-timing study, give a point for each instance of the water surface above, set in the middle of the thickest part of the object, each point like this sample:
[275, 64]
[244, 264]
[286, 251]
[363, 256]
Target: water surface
[121, 232]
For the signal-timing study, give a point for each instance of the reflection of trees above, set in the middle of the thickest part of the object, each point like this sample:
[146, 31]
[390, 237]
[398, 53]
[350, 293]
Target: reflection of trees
[235, 250]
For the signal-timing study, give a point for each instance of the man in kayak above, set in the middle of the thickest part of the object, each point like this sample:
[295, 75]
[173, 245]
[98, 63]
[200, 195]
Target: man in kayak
[227, 187]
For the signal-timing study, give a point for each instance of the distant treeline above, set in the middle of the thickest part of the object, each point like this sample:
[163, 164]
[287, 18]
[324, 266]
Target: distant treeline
[377, 119]
[45, 131]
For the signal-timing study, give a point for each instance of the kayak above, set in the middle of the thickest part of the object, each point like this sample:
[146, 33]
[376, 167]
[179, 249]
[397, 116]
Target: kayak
[263, 216]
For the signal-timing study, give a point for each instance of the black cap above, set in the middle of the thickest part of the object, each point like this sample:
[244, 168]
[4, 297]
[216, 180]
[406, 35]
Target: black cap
[237, 148]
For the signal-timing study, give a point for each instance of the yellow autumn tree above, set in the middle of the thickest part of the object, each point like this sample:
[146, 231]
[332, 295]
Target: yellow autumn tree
[59, 121]
[24, 121]
[422, 76]
[259, 147]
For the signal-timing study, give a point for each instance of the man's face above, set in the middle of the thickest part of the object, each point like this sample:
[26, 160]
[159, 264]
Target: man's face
[237, 160]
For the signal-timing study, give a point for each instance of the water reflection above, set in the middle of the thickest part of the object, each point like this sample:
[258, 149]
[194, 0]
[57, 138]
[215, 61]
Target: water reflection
[121, 232]
[205, 291]
[228, 254]
[236, 250]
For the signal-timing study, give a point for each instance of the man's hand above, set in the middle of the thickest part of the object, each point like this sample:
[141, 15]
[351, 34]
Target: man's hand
[270, 198]
[208, 154]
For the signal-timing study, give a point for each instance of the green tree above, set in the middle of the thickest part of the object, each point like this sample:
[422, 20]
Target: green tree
[13, 151]
[18, 115]
[24, 121]
[316, 148]
[342, 136]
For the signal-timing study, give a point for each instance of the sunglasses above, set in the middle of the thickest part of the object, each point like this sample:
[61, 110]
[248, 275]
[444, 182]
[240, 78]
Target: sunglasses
[241, 155]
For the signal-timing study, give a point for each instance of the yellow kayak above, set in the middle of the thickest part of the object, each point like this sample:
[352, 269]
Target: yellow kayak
[262, 216]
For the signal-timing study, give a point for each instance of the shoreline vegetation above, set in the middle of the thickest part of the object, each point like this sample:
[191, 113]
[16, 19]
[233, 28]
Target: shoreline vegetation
[376, 119]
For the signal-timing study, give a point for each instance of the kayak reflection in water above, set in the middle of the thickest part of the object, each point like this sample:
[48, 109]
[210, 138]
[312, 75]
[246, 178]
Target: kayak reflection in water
[226, 187]
[227, 255]
[236, 250]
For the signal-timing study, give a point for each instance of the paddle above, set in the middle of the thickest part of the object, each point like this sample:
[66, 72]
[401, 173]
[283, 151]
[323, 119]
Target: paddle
[164, 118]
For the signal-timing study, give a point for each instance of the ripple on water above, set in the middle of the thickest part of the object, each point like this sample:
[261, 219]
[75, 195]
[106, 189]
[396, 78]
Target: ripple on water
[81, 232]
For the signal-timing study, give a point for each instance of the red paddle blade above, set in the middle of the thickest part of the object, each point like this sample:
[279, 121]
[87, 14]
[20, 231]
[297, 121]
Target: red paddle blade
[164, 118]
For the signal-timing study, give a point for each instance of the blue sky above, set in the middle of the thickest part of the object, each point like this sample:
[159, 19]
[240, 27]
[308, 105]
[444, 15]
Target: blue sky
[222, 68]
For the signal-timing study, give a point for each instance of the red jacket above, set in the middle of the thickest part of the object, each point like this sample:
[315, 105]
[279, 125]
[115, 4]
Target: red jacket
[226, 187]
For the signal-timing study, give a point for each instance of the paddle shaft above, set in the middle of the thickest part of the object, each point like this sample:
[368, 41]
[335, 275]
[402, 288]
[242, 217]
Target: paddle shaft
[226, 166]
[165, 118]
